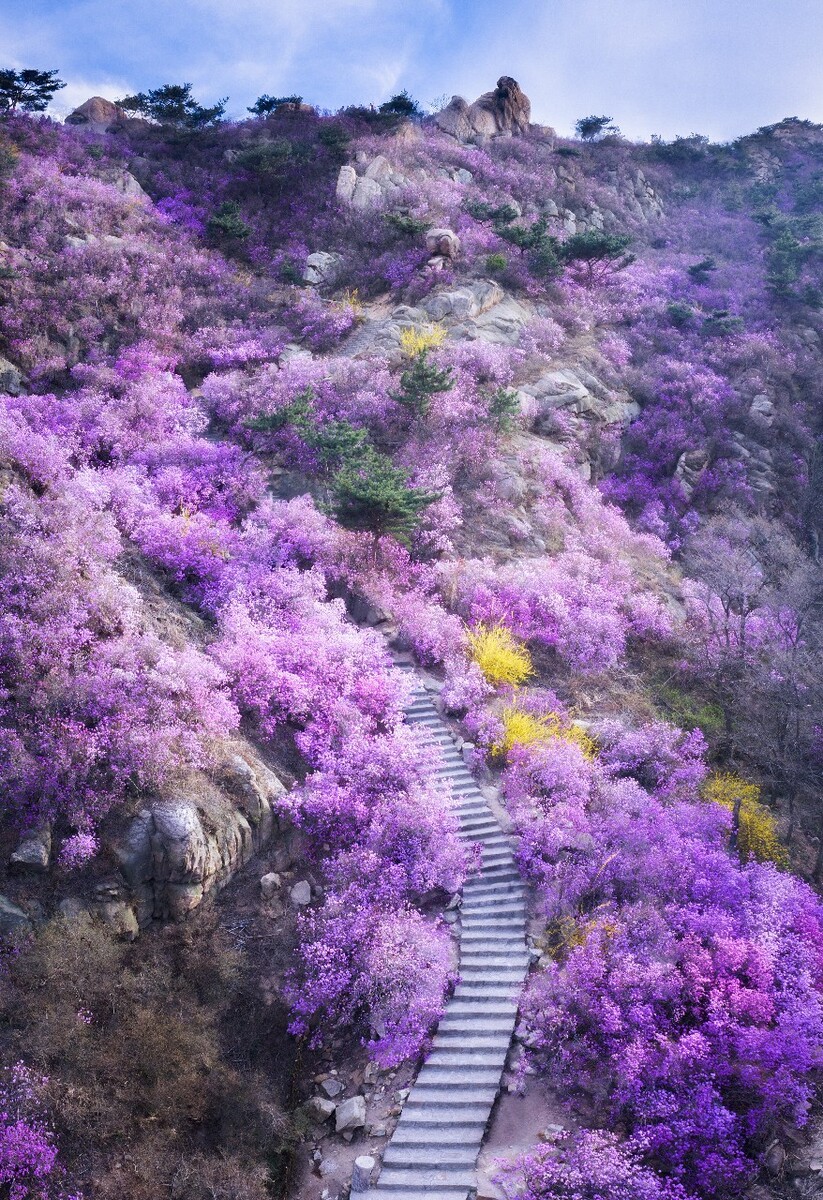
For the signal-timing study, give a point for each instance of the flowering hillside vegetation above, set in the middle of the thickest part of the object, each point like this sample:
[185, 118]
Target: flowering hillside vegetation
[567, 453]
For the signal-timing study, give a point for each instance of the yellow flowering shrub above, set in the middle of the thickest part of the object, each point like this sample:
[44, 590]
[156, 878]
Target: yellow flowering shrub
[500, 657]
[350, 300]
[418, 341]
[757, 833]
[524, 729]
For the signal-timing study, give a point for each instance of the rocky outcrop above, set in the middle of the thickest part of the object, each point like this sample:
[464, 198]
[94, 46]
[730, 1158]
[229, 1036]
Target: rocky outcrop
[573, 406]
[369, 182]
[504, 112]
[97, 114]
[13, 921]
[191, 841]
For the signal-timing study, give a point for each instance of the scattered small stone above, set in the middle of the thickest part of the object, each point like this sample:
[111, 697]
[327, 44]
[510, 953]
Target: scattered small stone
[403, 1095]
[347, 1136]
[378, 1131]
[332, 1087]
[72, 908]
[269, 885]
[321, 1108]
[551, 1133]
[351, 1114]
[301, 893]
[327, 1167]
[451, 918]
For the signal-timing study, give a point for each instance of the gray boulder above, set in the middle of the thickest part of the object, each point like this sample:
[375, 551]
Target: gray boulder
[350, 1114]
[301, 893]
[346, 183]
[12, 919]
[322, 268]
[367, 193]
[11, 380]
[504, 112]
[33, 851]
[444, 242]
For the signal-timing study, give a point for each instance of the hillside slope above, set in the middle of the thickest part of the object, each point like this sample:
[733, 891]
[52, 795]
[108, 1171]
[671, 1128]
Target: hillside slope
[286, 396]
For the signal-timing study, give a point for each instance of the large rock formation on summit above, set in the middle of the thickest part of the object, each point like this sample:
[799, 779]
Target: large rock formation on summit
[97, 114]
[505, 112]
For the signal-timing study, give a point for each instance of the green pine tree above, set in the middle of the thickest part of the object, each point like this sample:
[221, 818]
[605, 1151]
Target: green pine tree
[370, 493]
[419, 382]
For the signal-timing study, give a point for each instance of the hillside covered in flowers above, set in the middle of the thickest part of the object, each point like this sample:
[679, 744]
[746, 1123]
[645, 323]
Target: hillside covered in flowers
[283, 399]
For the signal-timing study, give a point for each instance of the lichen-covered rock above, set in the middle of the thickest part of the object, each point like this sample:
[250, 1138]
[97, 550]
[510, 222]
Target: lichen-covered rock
[367, 193]
[120, 918]
[191, 842]
[470, 301]
[301, 893]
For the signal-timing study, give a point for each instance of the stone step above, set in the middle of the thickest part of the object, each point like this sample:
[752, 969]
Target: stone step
[443, 1157]
[472, 1102]
[497, 856]
[478, 827]
[407, 1192]
[427, 1182]
[514, 923]
[499, 1026]
[488, 943]
[485, 895]
[488, 836]
[488, 960]
[497, 1040]
[433, 1135]
[473, 985]
[491, 1057]
[503, 906]
[453, 1080]
[513, 977]
[476, 1008]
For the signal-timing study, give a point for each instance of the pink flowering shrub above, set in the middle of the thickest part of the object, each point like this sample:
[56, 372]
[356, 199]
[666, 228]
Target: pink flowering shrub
[589, 1166]
[380, 971]
[29, 1163]
[667, 1002]
[77, 850]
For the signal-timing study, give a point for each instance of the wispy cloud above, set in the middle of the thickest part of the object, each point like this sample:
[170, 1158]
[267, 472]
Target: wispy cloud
[667, 66]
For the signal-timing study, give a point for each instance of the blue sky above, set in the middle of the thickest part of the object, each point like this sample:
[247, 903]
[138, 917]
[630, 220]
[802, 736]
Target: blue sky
[720, 67]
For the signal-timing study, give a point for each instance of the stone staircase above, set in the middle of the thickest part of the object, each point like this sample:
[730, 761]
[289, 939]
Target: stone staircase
[433, 1150]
